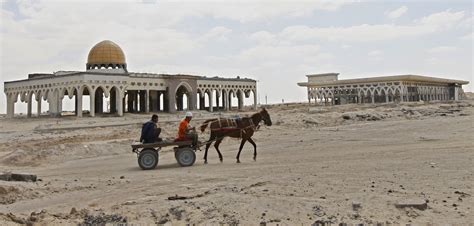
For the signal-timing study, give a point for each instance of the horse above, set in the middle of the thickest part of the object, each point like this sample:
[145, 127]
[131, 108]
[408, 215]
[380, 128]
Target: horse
[237, 128]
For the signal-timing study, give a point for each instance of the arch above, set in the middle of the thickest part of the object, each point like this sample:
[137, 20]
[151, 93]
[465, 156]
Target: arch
[183, 98]
[188, 87]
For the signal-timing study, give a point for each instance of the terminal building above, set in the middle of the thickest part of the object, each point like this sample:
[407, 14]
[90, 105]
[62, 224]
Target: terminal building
[327, 89]
[110, 88]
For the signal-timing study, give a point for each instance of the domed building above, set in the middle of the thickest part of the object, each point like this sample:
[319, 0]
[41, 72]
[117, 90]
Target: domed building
[110, 88]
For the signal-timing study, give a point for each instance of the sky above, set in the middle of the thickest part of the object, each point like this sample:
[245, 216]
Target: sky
[275, 42]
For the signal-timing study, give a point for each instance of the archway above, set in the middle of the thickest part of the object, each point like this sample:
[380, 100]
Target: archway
[101, 106]
[249, 98]
[182, 98]
[68, 102]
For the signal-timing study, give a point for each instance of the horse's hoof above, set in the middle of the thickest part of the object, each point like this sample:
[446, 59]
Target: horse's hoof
[222, 160]
[255, 159]
[205, 162]
[238, 161]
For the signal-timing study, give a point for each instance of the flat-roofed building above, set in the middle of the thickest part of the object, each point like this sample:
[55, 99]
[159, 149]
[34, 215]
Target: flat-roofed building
[109, 87]
[327, 89]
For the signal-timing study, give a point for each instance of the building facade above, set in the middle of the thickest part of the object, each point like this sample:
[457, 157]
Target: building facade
[327, 89]
[107, 79]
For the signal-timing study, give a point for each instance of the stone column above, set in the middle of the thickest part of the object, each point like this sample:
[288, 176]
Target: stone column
[28, 110]
[92, 103]
[119, 103]
[224, 100]
[373, 98]
[211, 100]
[241, 100]
[386, 98]
[147, 101]
[456, 93]
[170, 100]
[60, 105]
[10, 106]
[79, 103]
[217, 100]
[38, 107]
[255, 100]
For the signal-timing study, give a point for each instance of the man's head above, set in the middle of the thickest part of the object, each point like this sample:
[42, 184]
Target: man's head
[154, 118]
[189, 116]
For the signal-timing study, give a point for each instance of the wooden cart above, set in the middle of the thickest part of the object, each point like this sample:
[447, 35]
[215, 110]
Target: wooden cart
[148, 154]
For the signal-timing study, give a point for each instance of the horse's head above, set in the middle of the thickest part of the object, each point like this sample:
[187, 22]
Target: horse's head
[266, 117]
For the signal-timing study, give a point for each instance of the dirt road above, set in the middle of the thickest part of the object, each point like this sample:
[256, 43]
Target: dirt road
[343, 171]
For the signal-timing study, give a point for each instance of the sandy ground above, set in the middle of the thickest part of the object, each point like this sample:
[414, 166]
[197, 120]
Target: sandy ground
[349, 164]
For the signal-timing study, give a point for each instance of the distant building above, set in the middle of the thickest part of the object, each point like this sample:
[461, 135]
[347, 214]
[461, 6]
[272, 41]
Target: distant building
[107, 77]
[328, 89]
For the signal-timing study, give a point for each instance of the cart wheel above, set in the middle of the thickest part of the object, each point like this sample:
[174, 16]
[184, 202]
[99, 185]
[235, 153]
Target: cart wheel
[185, 156]
[148, 159]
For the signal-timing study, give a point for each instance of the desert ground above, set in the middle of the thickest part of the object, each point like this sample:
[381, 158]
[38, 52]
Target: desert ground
[337, 164]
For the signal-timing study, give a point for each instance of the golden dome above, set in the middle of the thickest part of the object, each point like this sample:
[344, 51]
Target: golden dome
[106, 52]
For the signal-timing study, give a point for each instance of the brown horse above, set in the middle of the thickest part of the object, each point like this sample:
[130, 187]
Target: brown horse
[237, 128]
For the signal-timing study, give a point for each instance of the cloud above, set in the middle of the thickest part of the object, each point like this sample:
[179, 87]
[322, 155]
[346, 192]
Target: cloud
[380, 32]
[442, 49]
[397, 12]
[375, 53]
[468, 37]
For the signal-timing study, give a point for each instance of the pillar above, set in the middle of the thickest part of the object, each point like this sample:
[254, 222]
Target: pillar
[225, 101]
[79, 104]
[170, 101]
[119, 102]
[10, 106]
[456, 93]
[38, 107]
[386, 98]
[60, 105]
[92, 104]
[211, 100]
[217, 100]
[147, 100]
[373, 98]
[28, 110]
[241, 100]
[255, 100]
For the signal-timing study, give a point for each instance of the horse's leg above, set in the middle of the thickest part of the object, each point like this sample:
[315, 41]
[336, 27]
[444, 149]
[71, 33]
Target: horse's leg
[207, 147]
[216, 145]
[254, 149]
[240, 149]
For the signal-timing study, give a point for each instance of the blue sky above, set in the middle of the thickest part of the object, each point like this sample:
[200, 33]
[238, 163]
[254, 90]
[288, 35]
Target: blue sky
[275, 42]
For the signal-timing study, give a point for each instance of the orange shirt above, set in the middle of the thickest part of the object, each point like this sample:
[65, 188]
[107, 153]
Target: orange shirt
[182, 128]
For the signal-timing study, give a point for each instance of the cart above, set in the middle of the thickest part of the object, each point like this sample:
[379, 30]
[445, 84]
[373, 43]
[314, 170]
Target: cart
[148, 154]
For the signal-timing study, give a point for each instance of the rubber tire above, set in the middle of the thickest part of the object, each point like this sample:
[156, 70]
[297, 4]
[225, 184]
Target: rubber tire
[185, 157]
[148, 159]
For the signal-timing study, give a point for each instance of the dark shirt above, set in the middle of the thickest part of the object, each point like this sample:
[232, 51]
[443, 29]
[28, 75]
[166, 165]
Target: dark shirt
[149, 132]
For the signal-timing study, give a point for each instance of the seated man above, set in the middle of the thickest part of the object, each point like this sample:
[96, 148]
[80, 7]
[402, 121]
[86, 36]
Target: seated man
[187, 132]
[150, 131]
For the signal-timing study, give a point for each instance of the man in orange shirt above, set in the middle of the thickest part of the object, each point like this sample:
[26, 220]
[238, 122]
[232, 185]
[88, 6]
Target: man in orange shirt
[187, 132]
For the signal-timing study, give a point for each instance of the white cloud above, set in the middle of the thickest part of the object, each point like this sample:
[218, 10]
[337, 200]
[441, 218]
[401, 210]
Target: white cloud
[397, 12]
[375, 53]
[443, 49]
[380, 32]
[468, 37]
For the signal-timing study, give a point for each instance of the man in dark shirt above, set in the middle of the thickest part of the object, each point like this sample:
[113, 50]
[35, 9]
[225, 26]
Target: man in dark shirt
[150, 131]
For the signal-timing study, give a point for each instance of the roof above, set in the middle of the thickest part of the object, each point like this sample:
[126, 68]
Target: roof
[414, 78]
[106, 52]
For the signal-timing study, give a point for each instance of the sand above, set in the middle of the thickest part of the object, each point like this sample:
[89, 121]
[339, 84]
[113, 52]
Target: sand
[351, 164]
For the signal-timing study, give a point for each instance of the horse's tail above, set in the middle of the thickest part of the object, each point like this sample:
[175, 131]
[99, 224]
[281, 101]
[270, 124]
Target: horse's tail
[206, 123]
